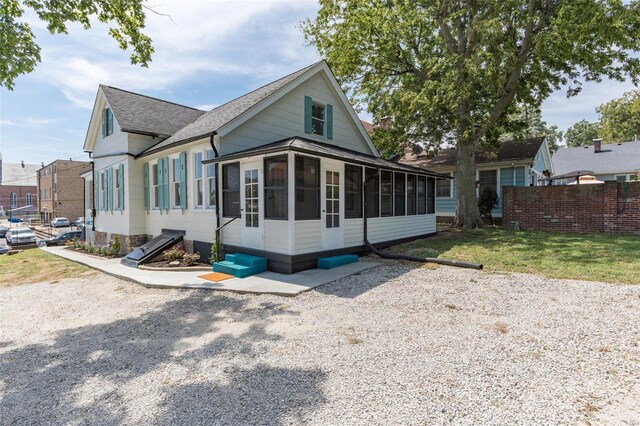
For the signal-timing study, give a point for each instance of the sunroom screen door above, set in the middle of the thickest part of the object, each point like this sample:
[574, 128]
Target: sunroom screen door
[252, 216]
[332, 206]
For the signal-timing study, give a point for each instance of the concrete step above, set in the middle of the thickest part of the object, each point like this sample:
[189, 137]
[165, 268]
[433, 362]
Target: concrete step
[334, 261]
[241, 265]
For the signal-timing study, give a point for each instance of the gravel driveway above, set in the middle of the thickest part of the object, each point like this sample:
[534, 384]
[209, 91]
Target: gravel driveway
[392, 345]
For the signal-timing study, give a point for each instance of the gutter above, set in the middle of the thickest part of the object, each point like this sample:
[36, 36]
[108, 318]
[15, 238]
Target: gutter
[215, 172]
[93, 191]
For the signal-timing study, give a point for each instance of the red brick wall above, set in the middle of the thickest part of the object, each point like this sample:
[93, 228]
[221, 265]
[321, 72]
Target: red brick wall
[573, 208]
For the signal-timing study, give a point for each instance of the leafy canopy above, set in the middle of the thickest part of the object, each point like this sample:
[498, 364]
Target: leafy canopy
[452, 69]
[582, 133]
[19, 52]
[620, 118]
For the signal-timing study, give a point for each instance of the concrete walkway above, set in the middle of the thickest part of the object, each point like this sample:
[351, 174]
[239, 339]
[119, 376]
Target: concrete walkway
[264, 283]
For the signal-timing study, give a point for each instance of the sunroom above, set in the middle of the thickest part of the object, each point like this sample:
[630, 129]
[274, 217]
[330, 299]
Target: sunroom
[297, 200]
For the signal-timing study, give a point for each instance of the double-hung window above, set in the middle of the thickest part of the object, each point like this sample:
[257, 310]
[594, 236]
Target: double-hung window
[176, 182]
[155, 185]
[399, 194]
[211, 180]
[431, 196]
[275, 188]
[422, 194]
[443, 188]
[107, 122]
[386, 193]
[318, 118]
[307, 188]
[231, 190]
[352, 191]
[199, 182]
[488, 178]
[103, 188]
[118, 206]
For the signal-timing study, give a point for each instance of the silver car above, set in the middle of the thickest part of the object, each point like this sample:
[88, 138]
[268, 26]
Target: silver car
[17, 236]
[60, 222]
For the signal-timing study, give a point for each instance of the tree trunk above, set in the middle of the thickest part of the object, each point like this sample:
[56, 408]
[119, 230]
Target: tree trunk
[467, 213]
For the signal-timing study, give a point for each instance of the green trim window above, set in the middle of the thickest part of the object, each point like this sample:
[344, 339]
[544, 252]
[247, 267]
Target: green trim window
[352, 191]
[386, 193]
[307, 181]
[276, 189]
[231, 190]
[107, 122]
[399, 181]
[318, 117]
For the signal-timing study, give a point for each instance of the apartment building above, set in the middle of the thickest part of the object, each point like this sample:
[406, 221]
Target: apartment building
[61, 189]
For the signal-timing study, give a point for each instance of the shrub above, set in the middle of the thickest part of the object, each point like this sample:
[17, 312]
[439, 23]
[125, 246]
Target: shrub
[190, 259]
[487, 201]
[173, 254]
[216, 251]
[115, 246]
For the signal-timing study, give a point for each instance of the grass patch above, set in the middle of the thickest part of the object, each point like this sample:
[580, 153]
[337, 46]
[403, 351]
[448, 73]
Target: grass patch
[591, 257]
[34, 265]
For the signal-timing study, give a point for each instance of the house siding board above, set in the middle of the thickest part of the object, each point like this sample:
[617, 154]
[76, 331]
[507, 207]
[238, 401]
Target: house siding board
[285, 118]
[538, 162]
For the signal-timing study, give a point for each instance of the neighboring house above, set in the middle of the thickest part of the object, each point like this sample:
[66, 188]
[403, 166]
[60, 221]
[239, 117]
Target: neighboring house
[615, 161]
[18, 188]
[516, 163]
[61, 189]
[289, 159]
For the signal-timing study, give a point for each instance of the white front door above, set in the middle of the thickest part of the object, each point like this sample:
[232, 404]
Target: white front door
[252, 215]
[332, 205]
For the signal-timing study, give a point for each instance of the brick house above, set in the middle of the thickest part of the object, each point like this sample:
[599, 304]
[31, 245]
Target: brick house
[18, 187]
[61, 189]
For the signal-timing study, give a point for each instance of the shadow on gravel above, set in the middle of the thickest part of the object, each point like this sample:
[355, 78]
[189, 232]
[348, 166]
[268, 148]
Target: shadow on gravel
[361, 282]
[43, 384]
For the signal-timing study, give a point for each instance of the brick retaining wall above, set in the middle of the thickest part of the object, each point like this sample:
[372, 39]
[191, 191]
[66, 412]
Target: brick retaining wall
[608, 207]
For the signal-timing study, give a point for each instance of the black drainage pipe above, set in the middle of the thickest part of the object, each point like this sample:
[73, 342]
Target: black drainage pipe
[446, 262]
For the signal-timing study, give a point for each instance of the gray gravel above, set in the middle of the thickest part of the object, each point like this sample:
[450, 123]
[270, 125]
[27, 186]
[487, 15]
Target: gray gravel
[392, 345]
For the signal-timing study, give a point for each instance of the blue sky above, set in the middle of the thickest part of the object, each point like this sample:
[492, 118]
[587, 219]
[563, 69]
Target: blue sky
[212, 52]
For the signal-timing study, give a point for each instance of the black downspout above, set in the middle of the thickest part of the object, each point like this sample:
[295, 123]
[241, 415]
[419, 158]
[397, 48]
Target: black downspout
[93, 191]
[215, 172]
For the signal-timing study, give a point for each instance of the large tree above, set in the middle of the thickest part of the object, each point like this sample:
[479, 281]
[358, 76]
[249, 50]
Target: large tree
[526, 123]
[19, 52]
[452, 69]
[581, 133]
[620, 118]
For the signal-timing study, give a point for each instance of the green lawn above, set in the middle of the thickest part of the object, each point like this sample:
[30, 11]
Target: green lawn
[34, 265]
[593, 257]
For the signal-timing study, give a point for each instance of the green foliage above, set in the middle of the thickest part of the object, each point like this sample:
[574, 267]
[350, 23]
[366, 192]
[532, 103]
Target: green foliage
[487, 201]
[216, 251]
[526, 123]
[115, 246]
[190, 259]
[582, 133]
[453, 70]
[19, 52]
[620, 118]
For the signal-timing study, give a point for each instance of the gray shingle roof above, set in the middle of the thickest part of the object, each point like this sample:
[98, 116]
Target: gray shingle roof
[612, 158]
[213, 120]
[143, 114]
[15, 174]
[514, 150]
[324, 150]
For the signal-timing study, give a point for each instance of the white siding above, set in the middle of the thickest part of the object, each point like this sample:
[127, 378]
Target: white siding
[381, 229]
[276, 234]
[308, 237]
[285, 118]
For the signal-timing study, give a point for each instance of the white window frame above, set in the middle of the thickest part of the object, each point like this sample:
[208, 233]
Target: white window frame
[175, 183]
[324, 120]
[103, 190]
[210, 180]
[198, 166]
[29, 199]
[117, 189]
[13, 200]
[154, 188]
[498, 189]
[450, 186]
[627, 177]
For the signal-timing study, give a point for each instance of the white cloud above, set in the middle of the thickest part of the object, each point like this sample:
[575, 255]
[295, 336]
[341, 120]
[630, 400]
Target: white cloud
[206, 107]
[255, 39]
[7, 123]
[30, 122]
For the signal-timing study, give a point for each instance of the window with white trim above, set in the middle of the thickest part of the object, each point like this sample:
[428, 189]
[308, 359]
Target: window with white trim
[117, 182]
[627, 178]
[29, 199]
[199, 181]
[155, 193]
[103, 189]
[14, 200]
[318, 117]
[175, 172]
[488, 178]
[444, 188]
[211, 180]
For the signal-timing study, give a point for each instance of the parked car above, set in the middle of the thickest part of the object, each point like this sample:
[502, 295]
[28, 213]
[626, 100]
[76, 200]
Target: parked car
[16, 220]
[79, 222]
[3, 231]
[5, 249]
[17, 236]
[61, 238]
[60, 222]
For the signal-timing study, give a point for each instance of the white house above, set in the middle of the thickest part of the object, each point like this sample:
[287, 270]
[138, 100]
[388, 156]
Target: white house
[282, 168]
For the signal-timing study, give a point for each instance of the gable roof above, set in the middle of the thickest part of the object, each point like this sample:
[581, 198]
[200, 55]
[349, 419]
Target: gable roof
[213, 120]
[513, 150]
[612, 158]
[308, 146]
[146, 115]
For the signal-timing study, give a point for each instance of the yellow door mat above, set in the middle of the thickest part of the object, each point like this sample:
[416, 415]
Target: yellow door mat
[216, 276]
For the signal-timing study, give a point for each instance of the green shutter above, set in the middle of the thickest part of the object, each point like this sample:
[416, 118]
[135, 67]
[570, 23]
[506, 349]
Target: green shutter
[121, 186]
[147, 198]
[307, 114]
[96, 191]
[183, 180]
[160, 184]
[104, 123]
[329, 119]
[109, 121]
[165, 183]
[110, 188]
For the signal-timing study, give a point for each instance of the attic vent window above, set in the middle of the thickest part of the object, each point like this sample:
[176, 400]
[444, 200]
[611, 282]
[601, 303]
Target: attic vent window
[107, 122]
[318, 118]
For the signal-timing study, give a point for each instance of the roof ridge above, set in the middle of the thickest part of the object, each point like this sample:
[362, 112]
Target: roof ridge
[267, 84]
[151, 97]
